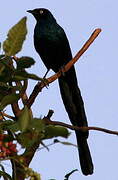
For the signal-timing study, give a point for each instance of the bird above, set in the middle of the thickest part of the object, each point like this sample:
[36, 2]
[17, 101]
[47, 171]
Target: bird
[52, 45]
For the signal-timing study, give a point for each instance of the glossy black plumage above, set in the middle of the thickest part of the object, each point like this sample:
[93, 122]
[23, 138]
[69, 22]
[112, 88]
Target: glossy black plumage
[52, 45]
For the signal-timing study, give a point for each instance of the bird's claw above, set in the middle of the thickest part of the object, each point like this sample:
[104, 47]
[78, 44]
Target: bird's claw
[46, 83]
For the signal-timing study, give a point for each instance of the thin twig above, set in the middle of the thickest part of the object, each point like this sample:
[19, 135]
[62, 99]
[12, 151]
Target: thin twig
[80, 128]
[15, 107]
[41, 85]
[6, 115]
[24, 96]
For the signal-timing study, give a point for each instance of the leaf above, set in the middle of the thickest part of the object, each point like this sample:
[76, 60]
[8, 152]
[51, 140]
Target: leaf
[18, 78]
[7, 62]
[25, 75]
[55, 131]
[24, 119]
[25, 62]
[5, 87]
[4, 125]
[68, 144]
[9, 99]
[33, 131]
[14, 127]
[15, 38]
[38, 124]
[69, 174]
[6, 69]
[27, 139]
[34, 77]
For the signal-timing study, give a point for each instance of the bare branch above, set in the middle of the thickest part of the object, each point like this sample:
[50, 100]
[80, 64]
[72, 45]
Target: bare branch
[6, 115]
[48, 121]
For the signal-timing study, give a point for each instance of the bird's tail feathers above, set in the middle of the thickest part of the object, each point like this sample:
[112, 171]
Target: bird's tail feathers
[84, 155]
[74, 105]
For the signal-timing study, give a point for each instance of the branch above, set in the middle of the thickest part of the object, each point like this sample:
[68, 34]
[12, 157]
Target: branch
[23, 94]
[50, 122]
[6, 115]
[41, 85]
[77, 56]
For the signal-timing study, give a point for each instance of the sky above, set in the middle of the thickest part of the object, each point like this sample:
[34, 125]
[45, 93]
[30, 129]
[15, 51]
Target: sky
[97, 76]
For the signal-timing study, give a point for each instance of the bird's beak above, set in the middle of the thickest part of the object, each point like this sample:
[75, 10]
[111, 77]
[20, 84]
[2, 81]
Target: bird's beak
[30, 11]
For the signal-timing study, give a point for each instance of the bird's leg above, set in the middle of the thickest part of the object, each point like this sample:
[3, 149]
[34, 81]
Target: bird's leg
[44, 78]
[46, 73]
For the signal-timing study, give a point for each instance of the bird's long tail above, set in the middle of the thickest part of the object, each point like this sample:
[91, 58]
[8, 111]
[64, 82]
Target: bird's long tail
[74, 105]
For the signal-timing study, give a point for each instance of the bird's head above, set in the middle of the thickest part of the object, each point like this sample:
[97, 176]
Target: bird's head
[41, 14]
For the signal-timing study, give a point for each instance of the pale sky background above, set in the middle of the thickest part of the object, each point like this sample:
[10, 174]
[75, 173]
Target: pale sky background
[97, 75]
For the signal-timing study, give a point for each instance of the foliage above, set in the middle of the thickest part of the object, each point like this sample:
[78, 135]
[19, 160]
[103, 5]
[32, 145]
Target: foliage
[21, 128]
[16, 35]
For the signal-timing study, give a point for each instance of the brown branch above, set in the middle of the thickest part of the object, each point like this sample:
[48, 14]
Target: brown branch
[8, 116]
[41, 85]
[77, 56]
[15, 58]
[23, 94]
[48, 121]
[15, 108]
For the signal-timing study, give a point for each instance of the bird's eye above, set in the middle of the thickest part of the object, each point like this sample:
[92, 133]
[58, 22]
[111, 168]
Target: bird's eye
[41, 11]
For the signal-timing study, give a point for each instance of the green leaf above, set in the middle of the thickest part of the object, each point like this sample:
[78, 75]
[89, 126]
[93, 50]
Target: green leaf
[27, 139]
[9, 99]
[24, 119]
[68, 144]
[18, 78]
[25, 75]
[7, 62]
[32, 133]
[4, 125]
[38, 124]
[8, 138]
[25, 62]
[5, 87]
[55, 131]
[34, 77]
[6, 69]
[14, 127]
[15, 38]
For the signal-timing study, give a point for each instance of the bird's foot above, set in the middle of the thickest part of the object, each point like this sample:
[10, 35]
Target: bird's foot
[46, 83]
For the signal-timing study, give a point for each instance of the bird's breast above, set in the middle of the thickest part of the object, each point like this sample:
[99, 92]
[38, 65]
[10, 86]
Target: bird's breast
[52, 45]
